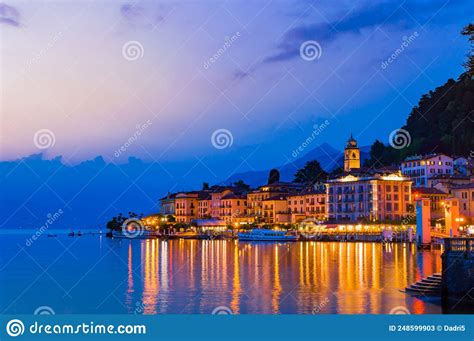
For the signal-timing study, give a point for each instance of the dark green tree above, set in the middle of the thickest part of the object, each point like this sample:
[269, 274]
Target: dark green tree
[240, 184]
[311, 173]
[273, 176]
[469, 64]
[205, 186]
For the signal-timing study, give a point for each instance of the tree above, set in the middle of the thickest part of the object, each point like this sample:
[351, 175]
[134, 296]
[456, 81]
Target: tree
[205, 186]
[273, 176]
[240, 184]
[311, 173]
[469, 64]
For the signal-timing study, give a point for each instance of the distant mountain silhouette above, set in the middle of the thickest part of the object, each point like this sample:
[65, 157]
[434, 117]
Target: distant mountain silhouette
[328, 157]
[88, 194]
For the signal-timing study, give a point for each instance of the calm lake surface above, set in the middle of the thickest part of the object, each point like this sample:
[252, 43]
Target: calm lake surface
[94, 274]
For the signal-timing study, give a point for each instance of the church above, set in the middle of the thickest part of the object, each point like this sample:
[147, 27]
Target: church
[368, 194]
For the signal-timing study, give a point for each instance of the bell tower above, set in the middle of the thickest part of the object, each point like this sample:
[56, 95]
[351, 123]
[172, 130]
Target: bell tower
[351, 155]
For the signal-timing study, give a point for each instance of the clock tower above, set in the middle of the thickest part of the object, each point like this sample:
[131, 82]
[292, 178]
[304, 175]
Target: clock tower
[351, 155]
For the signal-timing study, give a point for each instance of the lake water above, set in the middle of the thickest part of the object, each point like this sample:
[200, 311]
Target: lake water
[94, 274]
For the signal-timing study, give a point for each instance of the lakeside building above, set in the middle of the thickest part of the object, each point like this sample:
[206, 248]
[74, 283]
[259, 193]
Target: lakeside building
[436, 197]
[370, 195]
[308, 205]
[256, 198]
[465, 195]
[356, 194]
[168, 204]
[420, 168]
[232, 205]
[186, 207]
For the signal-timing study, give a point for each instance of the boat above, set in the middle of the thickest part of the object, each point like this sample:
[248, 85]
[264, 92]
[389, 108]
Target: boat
[265, 235]
[52, 235]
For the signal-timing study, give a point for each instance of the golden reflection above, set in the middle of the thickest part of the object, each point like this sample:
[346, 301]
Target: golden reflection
[335, 277]
[277, 285]
[236, 290]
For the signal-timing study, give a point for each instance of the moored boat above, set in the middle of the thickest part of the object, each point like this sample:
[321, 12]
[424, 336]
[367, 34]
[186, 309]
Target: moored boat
[267, 236]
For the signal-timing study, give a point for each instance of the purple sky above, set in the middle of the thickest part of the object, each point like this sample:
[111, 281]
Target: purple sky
[68, 78]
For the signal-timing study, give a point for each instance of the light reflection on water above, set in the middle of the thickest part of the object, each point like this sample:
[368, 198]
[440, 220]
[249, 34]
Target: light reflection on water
[100, 275]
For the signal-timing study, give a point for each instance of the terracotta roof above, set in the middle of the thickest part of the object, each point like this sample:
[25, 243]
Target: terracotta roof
[428, 190]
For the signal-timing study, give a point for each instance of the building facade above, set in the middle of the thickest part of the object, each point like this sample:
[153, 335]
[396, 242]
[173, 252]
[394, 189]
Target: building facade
[421, 168]
[375, 197]
[465, 195]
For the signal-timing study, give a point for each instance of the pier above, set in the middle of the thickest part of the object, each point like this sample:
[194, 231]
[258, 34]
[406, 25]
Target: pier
[458, 272]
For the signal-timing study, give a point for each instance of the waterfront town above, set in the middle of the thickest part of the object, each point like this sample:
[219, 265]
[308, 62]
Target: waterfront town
[356, 195]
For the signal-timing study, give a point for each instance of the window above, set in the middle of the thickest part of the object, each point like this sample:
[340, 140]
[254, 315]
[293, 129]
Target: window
[389, 207]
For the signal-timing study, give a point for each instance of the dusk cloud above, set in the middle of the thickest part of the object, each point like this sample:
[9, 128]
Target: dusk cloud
[9, 15]
[139, 16]
[403, 15]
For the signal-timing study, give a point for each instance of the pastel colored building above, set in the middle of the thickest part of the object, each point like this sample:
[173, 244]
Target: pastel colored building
[375, 196]
[275, 210]
[308, 205]
[436, 199]
[465, 195]
[186, 207]
[167, 204]
[232, 205]
[420, 168]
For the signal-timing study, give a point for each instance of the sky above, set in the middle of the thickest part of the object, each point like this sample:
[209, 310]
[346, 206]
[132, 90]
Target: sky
[173, 81]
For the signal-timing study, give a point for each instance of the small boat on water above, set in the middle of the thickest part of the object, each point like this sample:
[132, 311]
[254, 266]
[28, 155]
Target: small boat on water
[265, 235]
[52, 235]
